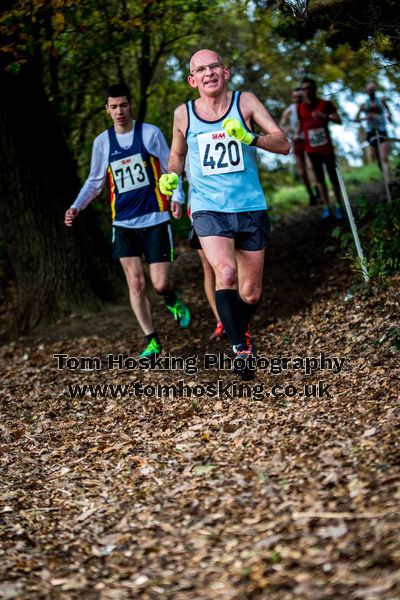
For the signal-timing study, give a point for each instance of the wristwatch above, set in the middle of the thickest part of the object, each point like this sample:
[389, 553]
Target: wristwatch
[253, 143]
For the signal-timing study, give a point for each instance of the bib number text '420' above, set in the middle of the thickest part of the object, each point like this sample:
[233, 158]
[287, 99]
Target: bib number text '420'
[219, 153]
[129, 173]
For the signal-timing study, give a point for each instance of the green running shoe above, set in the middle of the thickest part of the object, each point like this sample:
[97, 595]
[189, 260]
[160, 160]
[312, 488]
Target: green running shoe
[181, 313]
[152, 349]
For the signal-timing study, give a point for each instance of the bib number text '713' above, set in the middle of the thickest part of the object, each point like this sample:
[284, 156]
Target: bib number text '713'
[129, 173]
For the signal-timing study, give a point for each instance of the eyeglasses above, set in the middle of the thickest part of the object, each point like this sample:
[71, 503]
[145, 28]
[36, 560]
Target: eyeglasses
[203, 68]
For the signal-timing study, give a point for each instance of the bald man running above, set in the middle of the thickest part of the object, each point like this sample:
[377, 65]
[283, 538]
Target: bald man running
[227, 202]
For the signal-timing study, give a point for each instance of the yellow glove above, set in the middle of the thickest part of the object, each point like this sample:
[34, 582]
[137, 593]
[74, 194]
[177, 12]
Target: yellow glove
[234, 128]
[168, 183]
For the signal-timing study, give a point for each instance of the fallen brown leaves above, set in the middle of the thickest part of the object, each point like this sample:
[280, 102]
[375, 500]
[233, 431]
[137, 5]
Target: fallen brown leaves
[215, 498]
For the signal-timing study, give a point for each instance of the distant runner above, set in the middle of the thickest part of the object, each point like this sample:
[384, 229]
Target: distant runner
[289, 124]
[375, 109]
[314, 116]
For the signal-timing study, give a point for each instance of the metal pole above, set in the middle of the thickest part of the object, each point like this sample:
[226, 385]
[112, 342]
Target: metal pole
[352, 225]
[388, 194]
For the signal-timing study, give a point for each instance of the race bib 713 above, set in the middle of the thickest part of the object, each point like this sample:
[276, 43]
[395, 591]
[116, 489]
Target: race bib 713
[129, 173]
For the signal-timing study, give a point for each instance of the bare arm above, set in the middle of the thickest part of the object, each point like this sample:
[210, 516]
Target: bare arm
[358, 115]
[176, 163]
[298, 131]
[335, 118]
[94, 183]
[273, 139]
[329, 116]
[390, 116]
[283, 123]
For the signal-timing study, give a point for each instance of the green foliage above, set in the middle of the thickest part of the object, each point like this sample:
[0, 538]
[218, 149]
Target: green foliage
[83, 45]
[352, 22]
[362, 175]
[379, 232]
[288, 198]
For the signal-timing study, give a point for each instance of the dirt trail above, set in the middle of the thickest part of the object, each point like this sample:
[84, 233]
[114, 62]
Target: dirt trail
[211, 498]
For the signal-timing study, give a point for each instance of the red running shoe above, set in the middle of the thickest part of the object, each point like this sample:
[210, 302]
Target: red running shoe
[218, 332]
[250, 343]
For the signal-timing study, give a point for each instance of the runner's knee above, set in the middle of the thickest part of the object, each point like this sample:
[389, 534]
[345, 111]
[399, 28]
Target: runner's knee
[136, 283]
[161, 287]
[226, 275]
[251, 295]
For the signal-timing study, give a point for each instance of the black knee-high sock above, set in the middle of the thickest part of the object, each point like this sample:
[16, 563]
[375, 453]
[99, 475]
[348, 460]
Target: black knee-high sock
[151, 336]
[229, 310]
[169, 297]
[247, 311]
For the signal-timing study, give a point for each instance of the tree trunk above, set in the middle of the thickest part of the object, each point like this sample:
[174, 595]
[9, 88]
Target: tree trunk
[58, 269]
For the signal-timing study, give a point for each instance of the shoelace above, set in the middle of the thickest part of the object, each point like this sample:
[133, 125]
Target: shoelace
[248, 338]
[176, 310]
[243, 351]
[152, 346]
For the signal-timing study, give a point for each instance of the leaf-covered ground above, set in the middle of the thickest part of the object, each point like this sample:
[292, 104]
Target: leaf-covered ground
[211, 498]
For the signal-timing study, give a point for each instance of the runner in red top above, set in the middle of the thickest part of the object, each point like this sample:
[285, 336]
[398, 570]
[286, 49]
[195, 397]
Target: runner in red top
[288, 124]
[314, 116]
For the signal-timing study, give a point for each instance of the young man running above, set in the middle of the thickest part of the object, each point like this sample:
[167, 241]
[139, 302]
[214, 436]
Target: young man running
[133, 155]
[228, 204]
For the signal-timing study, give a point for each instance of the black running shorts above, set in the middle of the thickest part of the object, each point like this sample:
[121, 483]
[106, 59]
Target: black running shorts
[372, 137]
[250, 230]
[193, 238]
[154, 242]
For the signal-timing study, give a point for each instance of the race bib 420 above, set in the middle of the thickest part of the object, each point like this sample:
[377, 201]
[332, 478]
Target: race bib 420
[219, 153]
[129, 173]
